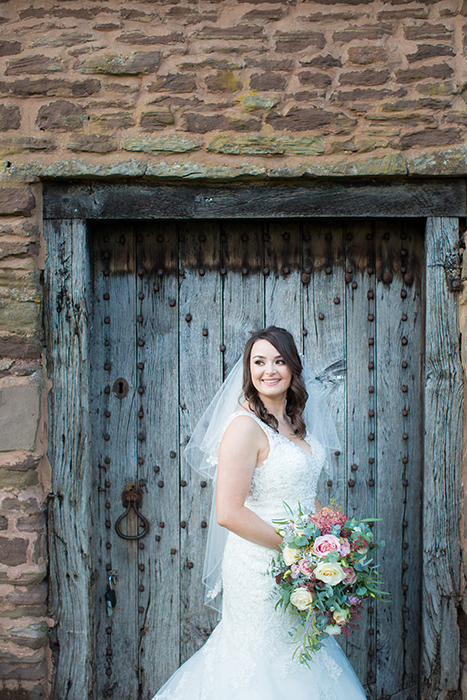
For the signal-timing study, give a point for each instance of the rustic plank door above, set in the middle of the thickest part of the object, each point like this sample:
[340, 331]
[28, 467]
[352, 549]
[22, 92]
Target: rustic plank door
[173, 306]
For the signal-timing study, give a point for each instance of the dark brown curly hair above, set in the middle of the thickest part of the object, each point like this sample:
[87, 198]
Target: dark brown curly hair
[296, 398]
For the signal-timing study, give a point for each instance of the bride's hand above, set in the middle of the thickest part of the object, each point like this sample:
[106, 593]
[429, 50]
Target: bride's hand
[243, 446]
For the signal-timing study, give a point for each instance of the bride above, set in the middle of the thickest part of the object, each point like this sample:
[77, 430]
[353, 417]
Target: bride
[263, 444]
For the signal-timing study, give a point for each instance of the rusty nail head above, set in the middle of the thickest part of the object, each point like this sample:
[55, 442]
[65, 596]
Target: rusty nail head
[371, 460]
[405, 566]
[183, 523]
[141, 567]
[156, 287]
[351, 482]
[141, 296]
[140, 271]
[204, 524]
[108, 545]
[404, 391]
[329, 483]
[141, 608]
[265, 271]
[108, 567]
[173, 454]
[387, 277]
[403, 294]
[404, 365]
[190, 565]
[405, 588]
[160, 484]
[139, 318]
[369, 270]
[371, 389]
[141, 544]
[244, 271]
[403, 252]
[329, 270]
[404, 317]
[306, 278]
[172, 302]
[173, 551]
[183, 483]
[354, 467]
[371, 341]
[354, 285]
[371, 317]
[371, 482]
[371, 413]
[140, 390]
[106, 273]
[108, 523]
[370, 294]
[321, 317]
[140, 365]
[107, 414]
[106, 296]
[108, 630]
[222, 348]
[404, 341]
[371, 365]
[140, 460]
[337, 453]
[201, 271]
[223, 271]
[157, 538]
[160, 272]
[188, 318]
[203, 484]
[404, 523]
[405, 436]
[371, 436]
[205, 332]
[337, 300]
[106, 343]
[405, 545]
[405, 412]
[107, 504]
[157, 468]
[107, 319]
[141, 342]
[162, 524]
[107, 390]
[405, 460]
[304, 332]
[181, 272]
[107, 460]
[348, 276]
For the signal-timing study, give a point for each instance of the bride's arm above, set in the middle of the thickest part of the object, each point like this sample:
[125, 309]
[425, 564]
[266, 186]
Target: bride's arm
[238, 454]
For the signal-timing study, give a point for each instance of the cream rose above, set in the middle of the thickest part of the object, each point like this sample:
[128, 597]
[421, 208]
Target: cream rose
[290, 555]
[333, 629]
[330, 572]
[340, 617]
[301, 598]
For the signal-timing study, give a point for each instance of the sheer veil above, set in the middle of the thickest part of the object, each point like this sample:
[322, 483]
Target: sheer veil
[202, 449]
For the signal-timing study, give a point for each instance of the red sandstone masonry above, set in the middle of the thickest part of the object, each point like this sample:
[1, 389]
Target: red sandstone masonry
[198, 88]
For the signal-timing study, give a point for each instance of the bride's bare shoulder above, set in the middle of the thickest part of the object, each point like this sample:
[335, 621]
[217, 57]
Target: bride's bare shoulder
[243, 428]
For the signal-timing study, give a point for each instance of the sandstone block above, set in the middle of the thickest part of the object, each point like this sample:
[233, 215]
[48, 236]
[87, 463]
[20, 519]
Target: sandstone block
[142, 39]
[28, 595]
[162, 144]
[363, 55]
[425, 51]
[252, 103]
[34, 64]
[10, 118]
[16, 200]
[268, 81]
[35, 693]
[115, 121]
[292, 42]
[398, 14]
[201, 124]
[34, 636]
[136, 63]
[48, 87]
[174, 82]
[3, 522]
[432, 137]
[314, 79]
[439, 71]
[20, 612]
[24, 578]
[427, 31]
[156, 119]
[298, 119]
[17, 480]
[39, 550]
[13, 550]
[241, 31]
[9, 48]
[365, 77]
[19, 144]
[17, 315]
[61, 115]
[19, 671]
[19, 396]
[31, 523]
[93, 143]
[360, 94]
[223, 81]
[269, 64]
[365, 31]
[327, 61]
[69, 39]
[106, 26]
[434, 89]
[267, 145]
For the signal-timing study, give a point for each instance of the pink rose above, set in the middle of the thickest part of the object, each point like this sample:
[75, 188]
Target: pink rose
[354, 599]
[295, 570]
[344, 548]
[305, 567]
[350, 575]
[325, 544]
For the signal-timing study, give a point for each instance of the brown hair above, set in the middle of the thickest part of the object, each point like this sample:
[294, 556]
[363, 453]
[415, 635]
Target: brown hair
[296, 398]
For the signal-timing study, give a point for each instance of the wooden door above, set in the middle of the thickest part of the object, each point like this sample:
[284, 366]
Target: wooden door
[173, 306]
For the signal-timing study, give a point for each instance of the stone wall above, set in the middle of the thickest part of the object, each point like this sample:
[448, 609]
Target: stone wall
[186, 89]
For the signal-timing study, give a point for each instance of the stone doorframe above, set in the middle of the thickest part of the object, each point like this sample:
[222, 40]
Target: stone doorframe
[67, 208]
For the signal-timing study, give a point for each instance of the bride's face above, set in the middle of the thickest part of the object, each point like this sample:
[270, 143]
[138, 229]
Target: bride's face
[270, 375]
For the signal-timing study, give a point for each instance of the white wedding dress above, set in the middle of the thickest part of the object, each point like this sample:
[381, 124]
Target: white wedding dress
[249, 654]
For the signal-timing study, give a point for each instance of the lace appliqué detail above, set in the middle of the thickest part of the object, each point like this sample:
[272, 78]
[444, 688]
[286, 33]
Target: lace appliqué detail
[332, 666]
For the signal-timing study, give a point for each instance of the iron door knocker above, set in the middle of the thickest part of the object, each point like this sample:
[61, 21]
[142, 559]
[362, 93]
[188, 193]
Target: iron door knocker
[132, 498]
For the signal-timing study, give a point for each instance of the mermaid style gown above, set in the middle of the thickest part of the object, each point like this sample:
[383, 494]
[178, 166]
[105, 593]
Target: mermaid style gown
[249, 655]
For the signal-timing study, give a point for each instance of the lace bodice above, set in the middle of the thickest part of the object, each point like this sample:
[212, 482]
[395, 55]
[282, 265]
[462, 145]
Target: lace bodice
[287, 474]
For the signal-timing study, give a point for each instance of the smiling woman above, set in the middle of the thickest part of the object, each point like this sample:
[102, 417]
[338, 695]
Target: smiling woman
[266, 456]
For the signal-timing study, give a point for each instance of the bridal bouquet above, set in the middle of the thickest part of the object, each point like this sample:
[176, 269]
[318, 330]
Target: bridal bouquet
[323, 574]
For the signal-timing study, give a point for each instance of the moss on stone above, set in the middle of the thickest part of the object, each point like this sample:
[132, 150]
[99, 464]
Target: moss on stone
[267, 145]
[164, 144]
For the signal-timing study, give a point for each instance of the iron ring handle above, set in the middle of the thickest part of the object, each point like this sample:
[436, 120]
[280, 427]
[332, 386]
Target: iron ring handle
[144, 520]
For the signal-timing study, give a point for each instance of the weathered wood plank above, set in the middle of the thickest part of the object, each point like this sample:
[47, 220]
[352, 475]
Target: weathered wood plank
[361, 404]
[158, 452]
[114, 463]
[399, 253]
[283, 287]
[67, 319]
[243, 292]
[442, 468]
[200, 300]
[324, 342]
[274, 200]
